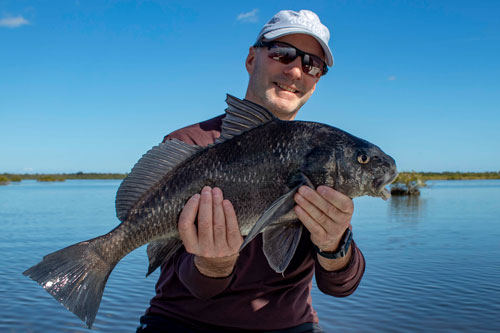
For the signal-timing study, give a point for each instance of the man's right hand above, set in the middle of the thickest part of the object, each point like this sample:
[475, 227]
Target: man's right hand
[217, 239]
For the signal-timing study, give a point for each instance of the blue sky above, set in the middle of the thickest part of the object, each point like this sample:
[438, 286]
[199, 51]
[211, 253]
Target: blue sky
[92, 85]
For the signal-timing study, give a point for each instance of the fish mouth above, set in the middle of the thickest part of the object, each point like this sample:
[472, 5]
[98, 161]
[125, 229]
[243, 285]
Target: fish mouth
[381, 183]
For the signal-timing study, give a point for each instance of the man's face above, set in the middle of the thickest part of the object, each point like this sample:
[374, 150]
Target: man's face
[281, 88]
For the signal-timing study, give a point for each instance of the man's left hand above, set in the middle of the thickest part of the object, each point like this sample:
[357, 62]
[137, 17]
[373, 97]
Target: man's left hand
[326, 213]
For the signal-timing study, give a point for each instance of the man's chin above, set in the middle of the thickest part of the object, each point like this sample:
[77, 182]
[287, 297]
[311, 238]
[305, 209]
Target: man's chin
[281, 106]
[284, 100]
[285, 111]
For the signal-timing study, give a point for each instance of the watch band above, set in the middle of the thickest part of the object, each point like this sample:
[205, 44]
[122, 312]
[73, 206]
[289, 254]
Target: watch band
[341, 251]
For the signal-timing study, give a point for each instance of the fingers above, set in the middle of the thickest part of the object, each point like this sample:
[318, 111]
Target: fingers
[187, 229]
[311, 208]
[322, 205]
[341, 201]
[314, 227]
[328, 203]
[217, 234]
[219, 222]
[205, 217]
[326, 213]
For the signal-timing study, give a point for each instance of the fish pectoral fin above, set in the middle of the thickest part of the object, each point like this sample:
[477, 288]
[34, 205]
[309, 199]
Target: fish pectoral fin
[279, 208]
[160, 250]
[280, 243]
[298, 179]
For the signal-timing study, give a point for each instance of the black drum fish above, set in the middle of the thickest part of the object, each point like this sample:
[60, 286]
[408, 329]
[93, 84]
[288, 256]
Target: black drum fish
[258, 162]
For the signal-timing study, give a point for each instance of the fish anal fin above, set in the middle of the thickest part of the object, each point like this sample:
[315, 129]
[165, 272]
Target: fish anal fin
[160, 250]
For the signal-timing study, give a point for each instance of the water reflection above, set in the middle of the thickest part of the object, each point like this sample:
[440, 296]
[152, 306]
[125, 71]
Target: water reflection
[414, 281]
[406, 208]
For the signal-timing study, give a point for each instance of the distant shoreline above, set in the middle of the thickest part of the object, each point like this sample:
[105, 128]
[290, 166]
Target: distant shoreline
[53, 177]
[450, 175]
[47, 177]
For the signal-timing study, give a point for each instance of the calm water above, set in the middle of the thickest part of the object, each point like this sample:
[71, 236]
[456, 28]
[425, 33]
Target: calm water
[433, 263]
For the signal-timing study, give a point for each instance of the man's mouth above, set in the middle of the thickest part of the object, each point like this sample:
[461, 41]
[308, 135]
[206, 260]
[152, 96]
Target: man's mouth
[285, 87]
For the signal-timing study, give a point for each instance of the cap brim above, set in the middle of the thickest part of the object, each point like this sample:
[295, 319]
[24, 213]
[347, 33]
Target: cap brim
[289, 31]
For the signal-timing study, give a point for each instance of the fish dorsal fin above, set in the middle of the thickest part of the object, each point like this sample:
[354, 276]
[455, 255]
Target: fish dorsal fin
[241, 116]
[148, 171]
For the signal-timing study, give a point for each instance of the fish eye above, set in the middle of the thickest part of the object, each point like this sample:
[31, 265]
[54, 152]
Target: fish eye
[363, 159]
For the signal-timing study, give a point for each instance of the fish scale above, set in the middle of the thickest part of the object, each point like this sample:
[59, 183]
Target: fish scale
[259, 162]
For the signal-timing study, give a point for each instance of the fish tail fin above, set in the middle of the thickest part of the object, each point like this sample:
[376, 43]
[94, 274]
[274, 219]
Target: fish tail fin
[75, 276]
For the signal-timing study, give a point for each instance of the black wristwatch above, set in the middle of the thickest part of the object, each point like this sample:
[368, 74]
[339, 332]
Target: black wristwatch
[341, 251]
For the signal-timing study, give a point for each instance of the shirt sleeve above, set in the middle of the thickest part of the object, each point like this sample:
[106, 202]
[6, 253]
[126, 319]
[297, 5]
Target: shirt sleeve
[343, 282]
[199, 285]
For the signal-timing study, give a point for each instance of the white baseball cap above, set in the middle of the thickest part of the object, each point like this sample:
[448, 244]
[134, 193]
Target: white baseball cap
[287, 22]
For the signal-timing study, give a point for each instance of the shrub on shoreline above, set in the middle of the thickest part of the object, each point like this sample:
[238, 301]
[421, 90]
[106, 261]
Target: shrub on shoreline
[407, 183]
[4, 180]
[50, 178]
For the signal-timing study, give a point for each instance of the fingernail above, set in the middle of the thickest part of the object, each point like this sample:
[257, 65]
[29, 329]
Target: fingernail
[303, 190]
[196, 197]
[206, 190]
[321, 190]
[217, 192]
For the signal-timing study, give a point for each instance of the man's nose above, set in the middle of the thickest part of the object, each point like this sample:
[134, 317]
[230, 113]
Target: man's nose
[294, 69]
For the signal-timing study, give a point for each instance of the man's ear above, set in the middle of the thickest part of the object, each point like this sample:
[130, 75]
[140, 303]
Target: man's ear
[250, 61]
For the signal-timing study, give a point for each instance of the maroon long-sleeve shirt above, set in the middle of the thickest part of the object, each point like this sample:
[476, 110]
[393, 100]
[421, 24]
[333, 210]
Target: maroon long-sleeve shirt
[254, 296]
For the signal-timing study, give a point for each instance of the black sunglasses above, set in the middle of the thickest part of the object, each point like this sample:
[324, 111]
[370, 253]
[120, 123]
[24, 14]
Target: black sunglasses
[286, 53]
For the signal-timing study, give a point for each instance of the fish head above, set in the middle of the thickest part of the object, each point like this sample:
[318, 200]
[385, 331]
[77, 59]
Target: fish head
[362, 168]
[350, 165]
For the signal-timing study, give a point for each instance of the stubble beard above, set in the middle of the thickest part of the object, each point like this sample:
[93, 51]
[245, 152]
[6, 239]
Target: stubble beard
[269, 98]
[282, 107]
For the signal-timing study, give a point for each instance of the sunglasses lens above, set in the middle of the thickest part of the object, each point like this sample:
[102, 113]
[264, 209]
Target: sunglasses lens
[312, 66]
[285, 54]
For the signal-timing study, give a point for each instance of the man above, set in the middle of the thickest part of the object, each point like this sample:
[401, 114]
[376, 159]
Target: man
[207, 285]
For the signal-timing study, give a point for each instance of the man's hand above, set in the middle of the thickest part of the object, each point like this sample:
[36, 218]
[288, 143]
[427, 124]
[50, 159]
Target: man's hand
[327, 214]
[217, 239]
